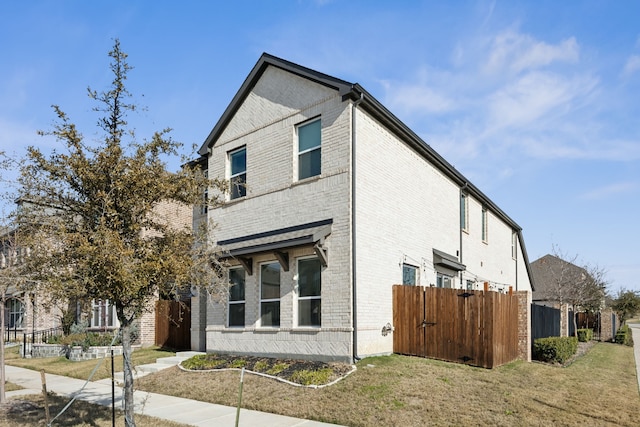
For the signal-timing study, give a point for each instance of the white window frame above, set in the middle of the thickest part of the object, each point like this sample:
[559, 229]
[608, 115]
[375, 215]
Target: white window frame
[106, 320]
[416, 274]
[307, 298]
[308, 150]
[440, 280]
[243, 189]
[485, 225]
[464, 212]
[271, 300]
[242, 302]
[14, 309]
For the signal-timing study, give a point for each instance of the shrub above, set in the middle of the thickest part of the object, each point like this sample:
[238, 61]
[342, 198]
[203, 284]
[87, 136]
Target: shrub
[623, 336]
[555, 349]
[277, 368]
[585, 335]
[306, 377]
[201, 362]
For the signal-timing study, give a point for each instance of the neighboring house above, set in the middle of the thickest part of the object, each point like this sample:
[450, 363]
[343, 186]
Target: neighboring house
[333, 200]
[26, 312]
[559, 283]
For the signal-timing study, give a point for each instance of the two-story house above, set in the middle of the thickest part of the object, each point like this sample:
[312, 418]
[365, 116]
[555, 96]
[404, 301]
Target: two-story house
[333, 200]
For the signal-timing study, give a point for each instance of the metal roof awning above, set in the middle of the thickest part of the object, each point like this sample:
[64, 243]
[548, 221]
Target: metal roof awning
[447, 261]
[276, 241]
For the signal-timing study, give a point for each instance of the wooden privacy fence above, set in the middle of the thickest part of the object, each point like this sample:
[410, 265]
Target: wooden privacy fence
[473, 327]
[173, 324]
[545, 322]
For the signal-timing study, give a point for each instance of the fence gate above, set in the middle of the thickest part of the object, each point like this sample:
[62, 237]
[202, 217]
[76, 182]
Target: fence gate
[474, 327]
[173, 324]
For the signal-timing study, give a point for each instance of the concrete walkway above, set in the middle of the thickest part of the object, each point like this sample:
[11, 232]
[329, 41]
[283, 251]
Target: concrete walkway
[635, 333]
[185, 411]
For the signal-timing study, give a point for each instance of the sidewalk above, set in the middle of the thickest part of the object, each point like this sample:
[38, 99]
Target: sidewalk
[635, 333]
[171, 408]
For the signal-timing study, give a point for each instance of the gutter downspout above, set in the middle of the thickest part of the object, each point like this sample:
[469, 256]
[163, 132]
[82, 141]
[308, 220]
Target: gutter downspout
[354, 306]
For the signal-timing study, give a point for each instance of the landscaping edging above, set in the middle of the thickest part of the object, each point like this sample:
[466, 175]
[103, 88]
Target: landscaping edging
[353, 369]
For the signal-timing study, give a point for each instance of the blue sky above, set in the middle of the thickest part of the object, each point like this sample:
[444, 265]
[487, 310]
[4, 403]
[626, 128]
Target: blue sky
[536, 102]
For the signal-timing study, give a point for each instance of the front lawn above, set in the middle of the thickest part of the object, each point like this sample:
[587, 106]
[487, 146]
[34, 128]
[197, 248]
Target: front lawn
[82, 369]
[599, 388]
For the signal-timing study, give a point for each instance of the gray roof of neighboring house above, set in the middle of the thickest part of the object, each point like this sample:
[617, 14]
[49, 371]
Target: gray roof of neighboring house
[547, 271]
[372, 106]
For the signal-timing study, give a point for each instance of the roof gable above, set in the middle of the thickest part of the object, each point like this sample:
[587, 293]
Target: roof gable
[252, 80]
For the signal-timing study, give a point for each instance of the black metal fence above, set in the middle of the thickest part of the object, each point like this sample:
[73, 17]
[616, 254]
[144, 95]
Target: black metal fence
[38, 337]
[12, 333]
[545, 322]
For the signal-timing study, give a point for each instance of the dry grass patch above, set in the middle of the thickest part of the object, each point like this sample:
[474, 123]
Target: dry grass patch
[599, 388]
[82, 369]
[29, 411]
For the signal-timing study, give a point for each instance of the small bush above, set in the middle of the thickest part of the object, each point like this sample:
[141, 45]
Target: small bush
[555, 349]
[277, 368]
[585, 335]
[201, 362]
[260, 366]
[306, 377]
[623, 336]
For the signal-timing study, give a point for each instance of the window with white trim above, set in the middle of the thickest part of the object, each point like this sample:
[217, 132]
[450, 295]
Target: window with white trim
[15, 313]
[236, 296]
[443, 280]
[309, 292]
[238, 173]
[309, 149]
[485, 225]
[270, 294]
[409, 274]
[464, 212]
[103, 314]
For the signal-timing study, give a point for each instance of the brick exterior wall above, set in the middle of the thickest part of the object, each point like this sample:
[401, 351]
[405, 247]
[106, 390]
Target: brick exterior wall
[607, 325]
[404, 208]
[524, 325]
[564, 320]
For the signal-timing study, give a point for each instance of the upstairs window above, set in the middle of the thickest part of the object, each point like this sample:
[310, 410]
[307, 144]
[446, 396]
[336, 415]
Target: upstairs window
[309, 150]
[238, 173]
[409, 275]
[236, 296]
[485, 225]
[309, 290]
[464, 210]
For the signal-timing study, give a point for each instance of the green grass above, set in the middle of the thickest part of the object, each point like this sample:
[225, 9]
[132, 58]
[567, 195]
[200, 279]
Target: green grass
[82, 369]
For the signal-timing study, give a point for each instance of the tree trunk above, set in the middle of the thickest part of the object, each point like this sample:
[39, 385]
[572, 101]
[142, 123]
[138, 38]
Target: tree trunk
[125, 330]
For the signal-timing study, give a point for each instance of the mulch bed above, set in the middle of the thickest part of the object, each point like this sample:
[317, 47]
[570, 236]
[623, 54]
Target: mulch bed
[278, 368]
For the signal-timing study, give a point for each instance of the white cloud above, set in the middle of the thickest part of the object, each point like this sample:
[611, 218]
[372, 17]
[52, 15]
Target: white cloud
[610, 190]
[632, 65]
[416, 97]
[517, 52]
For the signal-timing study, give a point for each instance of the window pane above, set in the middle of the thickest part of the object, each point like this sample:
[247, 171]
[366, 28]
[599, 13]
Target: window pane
[309, 136]
[238, 186]
[309, 164]
[409, 274]
[270, 281]
[309, 277]
[236, 314]
[270, 313]
[238, 161]
[236, 278]
[309, 312]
